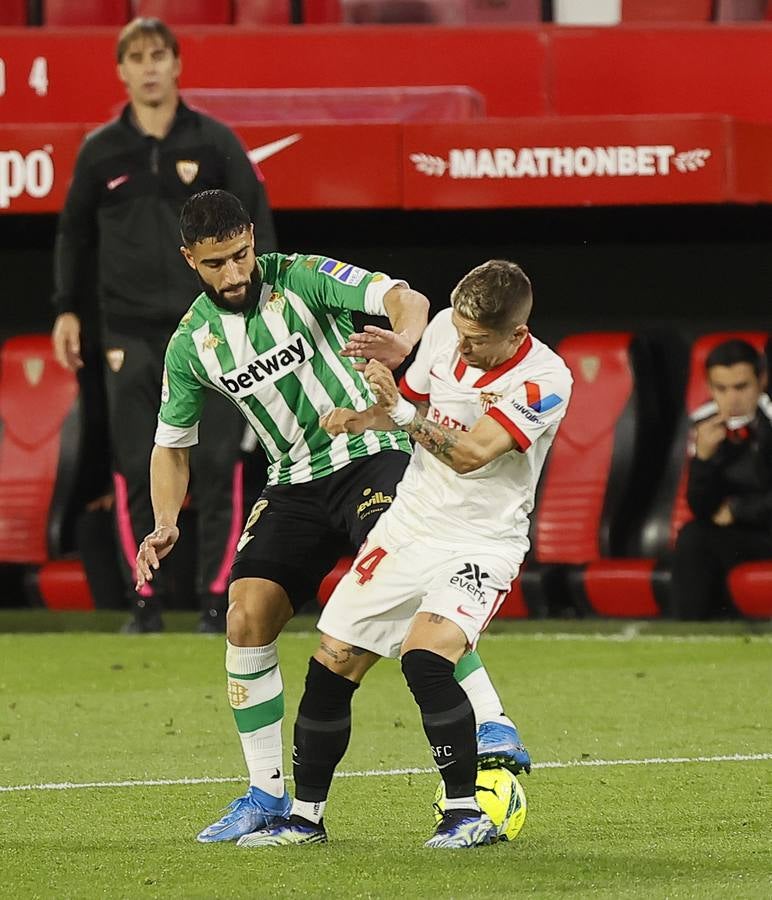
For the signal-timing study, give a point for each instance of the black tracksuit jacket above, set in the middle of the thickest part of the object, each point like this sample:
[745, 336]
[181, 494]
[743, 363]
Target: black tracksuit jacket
[122, 215]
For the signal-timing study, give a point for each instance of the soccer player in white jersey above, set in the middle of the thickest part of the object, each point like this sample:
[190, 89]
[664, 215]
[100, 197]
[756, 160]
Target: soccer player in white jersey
[438, 563]
[274, 335]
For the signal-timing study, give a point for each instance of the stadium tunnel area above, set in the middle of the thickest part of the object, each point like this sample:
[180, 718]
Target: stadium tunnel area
[625, 163]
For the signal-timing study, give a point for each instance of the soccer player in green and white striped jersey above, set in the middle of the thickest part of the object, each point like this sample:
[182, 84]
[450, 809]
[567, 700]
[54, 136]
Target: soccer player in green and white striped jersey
[274, 334]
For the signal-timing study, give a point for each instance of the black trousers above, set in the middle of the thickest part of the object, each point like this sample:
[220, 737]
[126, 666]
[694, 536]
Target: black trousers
[133, 372]
[704, 554]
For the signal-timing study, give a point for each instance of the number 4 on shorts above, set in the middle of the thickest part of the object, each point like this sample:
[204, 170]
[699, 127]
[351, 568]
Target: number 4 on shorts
[366, 566]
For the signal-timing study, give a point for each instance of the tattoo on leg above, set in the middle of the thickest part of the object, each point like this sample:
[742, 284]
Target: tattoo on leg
[435, 619]
[341, 656]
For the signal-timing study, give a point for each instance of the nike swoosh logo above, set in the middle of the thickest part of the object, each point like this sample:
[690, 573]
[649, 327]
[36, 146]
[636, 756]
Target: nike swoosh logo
[445, 765]
[463, 612]
[258, 154]
[117, 182]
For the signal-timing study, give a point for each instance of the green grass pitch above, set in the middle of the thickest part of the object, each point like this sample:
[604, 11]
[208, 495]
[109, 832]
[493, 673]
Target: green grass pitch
[99, 707]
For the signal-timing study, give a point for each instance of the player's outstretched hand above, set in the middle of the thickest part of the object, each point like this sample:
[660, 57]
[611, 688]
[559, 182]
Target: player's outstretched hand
[383, 385]
[343, 421]
[389, 347]
[152, 550]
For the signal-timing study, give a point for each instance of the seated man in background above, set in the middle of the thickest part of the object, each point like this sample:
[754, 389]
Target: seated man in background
[730, 482]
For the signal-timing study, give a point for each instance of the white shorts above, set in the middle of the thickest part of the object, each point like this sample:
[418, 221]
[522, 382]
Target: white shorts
[374, 604]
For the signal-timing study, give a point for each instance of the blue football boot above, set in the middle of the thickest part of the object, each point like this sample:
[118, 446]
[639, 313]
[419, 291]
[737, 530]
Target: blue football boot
[499, 746]
[463, 828]
[254, 810]
[286, 832]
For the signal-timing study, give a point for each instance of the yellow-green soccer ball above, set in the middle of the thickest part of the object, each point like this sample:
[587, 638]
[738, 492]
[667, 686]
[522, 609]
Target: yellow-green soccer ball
[500, 795]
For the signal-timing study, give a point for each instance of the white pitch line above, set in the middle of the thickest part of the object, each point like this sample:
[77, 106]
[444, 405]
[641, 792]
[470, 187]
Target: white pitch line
[380, 773]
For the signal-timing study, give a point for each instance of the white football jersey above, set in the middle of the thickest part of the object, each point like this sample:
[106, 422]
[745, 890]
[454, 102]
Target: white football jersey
[527, 395]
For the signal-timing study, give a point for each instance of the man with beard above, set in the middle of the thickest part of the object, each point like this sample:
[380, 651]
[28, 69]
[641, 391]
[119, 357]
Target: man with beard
[274, 335]
[131, 179]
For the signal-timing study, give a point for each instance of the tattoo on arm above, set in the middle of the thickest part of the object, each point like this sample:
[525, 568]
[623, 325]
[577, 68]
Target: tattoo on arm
[341, 656]
[437, 439]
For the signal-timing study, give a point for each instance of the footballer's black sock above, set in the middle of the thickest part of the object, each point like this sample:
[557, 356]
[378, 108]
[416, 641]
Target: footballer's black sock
[448, 719]
[322, 731]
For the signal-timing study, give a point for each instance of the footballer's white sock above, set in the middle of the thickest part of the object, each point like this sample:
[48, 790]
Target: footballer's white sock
[474, 679]
[256, 694]
[462, 803]
[311, 810]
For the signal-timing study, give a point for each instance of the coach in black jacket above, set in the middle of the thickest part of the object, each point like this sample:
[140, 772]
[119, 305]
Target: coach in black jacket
[730, 483]
[121, 217]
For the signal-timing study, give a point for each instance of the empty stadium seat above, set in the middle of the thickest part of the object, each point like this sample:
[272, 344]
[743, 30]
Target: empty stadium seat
[187, 12]
[750, 586]
[321, 12]
[39, 410]
[331, 579]
[62, 585]
[13, 13]
[666, 10]
[85, 12]
[605, 459]
[262, 12]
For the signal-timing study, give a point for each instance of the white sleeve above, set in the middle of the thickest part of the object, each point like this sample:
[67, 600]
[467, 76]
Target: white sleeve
[175, 437]
[415, 382]
[533, 407]
[376, 291]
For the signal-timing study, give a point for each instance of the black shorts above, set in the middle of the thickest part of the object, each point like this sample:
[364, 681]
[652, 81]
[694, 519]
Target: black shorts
[297, 532]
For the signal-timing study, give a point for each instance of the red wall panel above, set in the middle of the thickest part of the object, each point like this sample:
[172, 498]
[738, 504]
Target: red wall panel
[624, 71]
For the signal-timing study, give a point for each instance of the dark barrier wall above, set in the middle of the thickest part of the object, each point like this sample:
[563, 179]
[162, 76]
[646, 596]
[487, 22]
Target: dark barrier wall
[695, 268]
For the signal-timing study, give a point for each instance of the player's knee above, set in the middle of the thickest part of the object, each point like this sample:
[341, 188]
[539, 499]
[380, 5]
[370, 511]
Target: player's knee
[428, 675]
[256, 613]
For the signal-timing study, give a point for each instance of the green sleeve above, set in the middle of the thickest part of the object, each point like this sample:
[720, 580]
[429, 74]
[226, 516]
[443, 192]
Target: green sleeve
[182, 394]
[330, 283]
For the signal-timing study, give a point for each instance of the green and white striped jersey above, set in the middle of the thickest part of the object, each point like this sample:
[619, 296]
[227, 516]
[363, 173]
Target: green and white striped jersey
[279, 363]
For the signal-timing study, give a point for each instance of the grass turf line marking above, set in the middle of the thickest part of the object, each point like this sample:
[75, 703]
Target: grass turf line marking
[380, 773]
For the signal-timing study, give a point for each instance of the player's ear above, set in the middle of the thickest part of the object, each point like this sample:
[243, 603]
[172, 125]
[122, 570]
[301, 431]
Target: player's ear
[252, 234]
[119, 72]
[188, 256]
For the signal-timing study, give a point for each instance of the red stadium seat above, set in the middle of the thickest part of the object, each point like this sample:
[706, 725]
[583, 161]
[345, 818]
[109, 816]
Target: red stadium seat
[262, 12]
[602, 466]
[750, 586]
[322, 12]
[13, 13]
[331, 579]
[38, 401]
[62, 585]
[85, 12]
[187, 12]
[666, 10]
